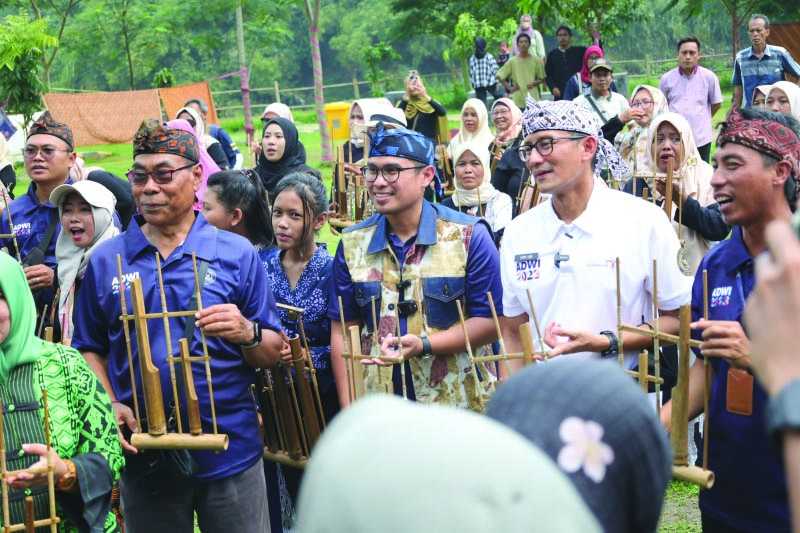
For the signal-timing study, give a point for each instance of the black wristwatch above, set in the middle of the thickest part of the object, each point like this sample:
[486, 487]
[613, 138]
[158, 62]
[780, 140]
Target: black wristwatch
[613, 344]
[783, 410]
[427, 351]
[256, 336]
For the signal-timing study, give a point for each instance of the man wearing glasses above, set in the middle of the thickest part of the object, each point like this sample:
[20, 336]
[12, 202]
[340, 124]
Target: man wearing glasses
[238, 317]
[562, 253]
[405, 268]
[48, 155]
[693, 91]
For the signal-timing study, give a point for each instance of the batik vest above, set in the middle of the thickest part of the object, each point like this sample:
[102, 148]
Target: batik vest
[435, 278]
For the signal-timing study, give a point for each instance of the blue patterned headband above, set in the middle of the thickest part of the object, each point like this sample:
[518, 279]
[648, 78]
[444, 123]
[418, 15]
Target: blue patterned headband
[400, 142]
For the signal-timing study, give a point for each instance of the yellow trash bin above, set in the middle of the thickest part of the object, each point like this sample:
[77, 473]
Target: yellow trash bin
[336, 113]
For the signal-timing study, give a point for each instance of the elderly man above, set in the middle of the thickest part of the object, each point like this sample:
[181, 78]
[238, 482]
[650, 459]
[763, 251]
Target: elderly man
[407, 266]
[239, 318]
[49, 155]
[760, 64]
[758, 155]
[568, 265]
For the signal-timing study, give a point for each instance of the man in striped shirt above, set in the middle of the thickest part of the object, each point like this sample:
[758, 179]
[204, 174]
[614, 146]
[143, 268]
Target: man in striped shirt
[760, 64]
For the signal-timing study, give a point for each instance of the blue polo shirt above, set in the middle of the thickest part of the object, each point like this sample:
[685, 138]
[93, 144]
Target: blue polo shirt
[750, 489]
[31, 219]
[235, 275]
[749, 71]
[482, 270]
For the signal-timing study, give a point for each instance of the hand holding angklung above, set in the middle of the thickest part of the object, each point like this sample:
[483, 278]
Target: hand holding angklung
[725, 339]
[36, 474]
[126, 424]
[565, 341]
[226, 321]
[39, 276]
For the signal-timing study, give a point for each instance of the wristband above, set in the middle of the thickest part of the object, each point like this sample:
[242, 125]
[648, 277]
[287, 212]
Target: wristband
[783, 410]
[427, 351]
[613, 344]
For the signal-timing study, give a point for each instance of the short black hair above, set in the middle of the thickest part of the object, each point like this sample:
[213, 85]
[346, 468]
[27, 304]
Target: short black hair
[521, 35]
[565, 28]
[242, 189]
[691, 39]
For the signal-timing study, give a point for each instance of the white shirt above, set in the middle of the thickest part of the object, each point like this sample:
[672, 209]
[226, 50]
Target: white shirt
[580, 293]
[611, 105]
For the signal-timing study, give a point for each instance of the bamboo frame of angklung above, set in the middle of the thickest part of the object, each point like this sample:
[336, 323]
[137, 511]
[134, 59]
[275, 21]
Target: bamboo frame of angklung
[13, 234]
[158, 436]
[345, 184]
[31, 523]
[294, 417]
[679, 436]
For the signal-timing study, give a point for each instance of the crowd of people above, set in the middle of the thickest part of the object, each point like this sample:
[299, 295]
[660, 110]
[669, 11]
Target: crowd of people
[450, 264]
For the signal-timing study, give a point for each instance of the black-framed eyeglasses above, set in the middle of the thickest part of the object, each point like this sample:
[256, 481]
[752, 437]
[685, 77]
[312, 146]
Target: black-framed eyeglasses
[161, 176]
[390, 173]
[642, 103]
[48, 152]
[544, 146]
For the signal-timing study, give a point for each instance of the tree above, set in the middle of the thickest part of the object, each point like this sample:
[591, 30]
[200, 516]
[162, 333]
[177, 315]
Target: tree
[22, 46]
[467, 29]
[311, 9]
[374, 56]
[60, 13]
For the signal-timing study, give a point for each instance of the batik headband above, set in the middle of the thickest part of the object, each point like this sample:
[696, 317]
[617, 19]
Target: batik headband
[400, 142]
[565, 115]
[154, 137]
[47, 125]
[764, 136]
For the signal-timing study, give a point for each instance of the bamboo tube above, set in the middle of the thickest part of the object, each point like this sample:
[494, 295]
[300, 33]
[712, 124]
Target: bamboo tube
[30, 515]
[151, 381]
[168, 341]
[707, 378]
[358, 370]
[680, 404]
[499, 332]
[668, 194]
[656, 338]
[269, 414]
[180, 441]
[535, 320]
[286, 412]
[283, 458]
[620, 327]
[199, 299]
[348, 361]
[309, 411]
[127, 334]
[667, 338]
[44, 522]
[693, 474]
[312, 370]
[526, 338]
[643, 371]
[192, 403]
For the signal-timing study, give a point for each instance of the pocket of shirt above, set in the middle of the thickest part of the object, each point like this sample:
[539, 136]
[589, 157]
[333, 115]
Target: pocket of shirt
[440, 296]
[365, 292]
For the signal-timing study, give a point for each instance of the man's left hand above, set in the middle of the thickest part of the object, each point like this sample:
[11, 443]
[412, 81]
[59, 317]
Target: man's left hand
[226, 321]
[39, 276]
[725, 339]
[565, 341]
[400, 348]
[36, 474]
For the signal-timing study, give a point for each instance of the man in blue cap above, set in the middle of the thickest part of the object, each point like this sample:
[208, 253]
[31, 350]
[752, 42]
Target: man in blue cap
[404, 268]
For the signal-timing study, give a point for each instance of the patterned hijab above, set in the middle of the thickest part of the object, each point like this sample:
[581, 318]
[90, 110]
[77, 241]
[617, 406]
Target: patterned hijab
[21, 346]
[632, 145]
[506, 137]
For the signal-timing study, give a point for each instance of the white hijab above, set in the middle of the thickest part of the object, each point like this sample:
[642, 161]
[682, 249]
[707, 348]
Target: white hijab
[694, 175]
[72, 260]
[483, 135]
[282, 110]
[486, 191]
[369, 107]
[792, 92]
[199, 125]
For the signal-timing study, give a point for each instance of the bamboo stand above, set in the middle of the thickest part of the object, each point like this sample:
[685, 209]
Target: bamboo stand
[158, 435]
[31, 522]
[291, 404]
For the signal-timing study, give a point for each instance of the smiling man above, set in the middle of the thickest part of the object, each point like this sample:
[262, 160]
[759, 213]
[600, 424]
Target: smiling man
[49, 155]
[407, 266]
[758, 159]
[239, 319]
[562, 253]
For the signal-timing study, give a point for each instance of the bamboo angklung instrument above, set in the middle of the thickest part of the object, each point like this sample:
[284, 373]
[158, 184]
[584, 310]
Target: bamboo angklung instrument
[30, 523]
[341, 183]
[158, 434]
[12, 235]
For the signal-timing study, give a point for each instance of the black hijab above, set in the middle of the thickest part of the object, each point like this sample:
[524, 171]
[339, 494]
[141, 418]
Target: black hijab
[480, 47]
[293, 159]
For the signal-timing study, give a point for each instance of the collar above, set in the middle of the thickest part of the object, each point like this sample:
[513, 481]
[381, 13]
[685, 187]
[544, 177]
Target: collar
[426, 231]
[201, 240]
[692, 73]
[31, 193]
[590, 220]
[735, 255]
[599, 97]
[766, 52]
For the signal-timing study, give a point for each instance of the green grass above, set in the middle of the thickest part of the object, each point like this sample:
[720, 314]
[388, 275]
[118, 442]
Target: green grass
[680, 513]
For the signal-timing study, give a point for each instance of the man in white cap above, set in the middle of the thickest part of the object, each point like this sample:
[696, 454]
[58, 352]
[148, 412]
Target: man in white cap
[568, 264]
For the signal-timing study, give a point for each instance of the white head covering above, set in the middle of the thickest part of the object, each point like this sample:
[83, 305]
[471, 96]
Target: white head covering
[763, 89]
[369, 107]
[72, 260]
[282, 110]
[486, 191]
[694, 175]
[632, 144]
[391, 465]
[199, 125]
[483, 135]
[792, 92]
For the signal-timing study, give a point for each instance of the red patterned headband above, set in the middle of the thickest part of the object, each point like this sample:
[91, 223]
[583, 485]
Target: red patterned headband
[764, 136]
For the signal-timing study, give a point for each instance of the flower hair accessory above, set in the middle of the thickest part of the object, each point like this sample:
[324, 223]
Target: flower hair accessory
[584, 448]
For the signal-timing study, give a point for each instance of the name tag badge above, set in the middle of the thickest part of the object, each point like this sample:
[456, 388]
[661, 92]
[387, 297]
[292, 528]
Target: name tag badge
[527, 266]
[739, 397]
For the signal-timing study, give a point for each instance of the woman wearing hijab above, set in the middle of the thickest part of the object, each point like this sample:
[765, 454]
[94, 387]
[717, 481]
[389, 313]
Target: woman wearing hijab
[784, 97]
[212, 145]
[207, 163]
[86, 211]
[760, 94]
[386, 464]
[670, 140]
[120, 188]
[86, 455]
[281, 154]
[600, 429]
[581, 82]
[475, 195]
[474, 126]
[422, 111]
[275, 110]
[507, 167]
[632, 143]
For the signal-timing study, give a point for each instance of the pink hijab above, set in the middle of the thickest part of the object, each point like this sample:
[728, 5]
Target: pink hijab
[206, 163]
[594, 49]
